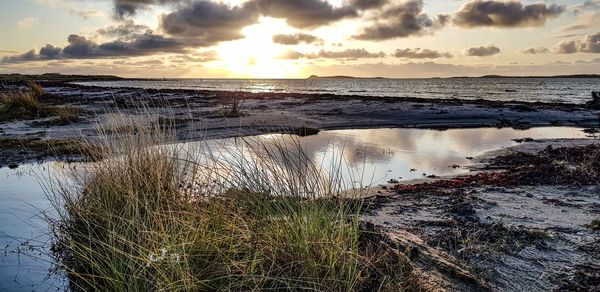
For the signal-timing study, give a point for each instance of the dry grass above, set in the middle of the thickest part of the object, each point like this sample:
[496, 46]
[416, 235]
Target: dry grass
[595, 224]
[232, 110]
[160, 216]
[14, 105]
[25, 105]
[36, 89]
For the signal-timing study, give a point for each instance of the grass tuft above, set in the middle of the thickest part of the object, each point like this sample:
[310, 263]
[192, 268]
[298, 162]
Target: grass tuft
[162, 216]
[16, 104]
[25, 105]
[36, 89]
[595, 224]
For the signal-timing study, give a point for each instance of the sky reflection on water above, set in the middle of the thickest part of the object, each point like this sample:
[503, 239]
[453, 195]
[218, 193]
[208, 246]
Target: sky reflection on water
[377, 154]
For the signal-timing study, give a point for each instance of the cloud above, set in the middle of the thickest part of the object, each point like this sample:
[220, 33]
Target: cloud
[85, 14]
[2, 51]
[196, 57]
[27, 22]
[368, 4]
[346, 54]
[80, 47]
[533, 51]
[494, 13]
[563, 36]
[584, 20]
[401, 20]
[566, 47]
[296, 39]
[125, 29]
[323, 54]
[482, 51]
[589, 44]
[49, 52]
[304, 14]
[588, 4]
[124, 8]
[592, 61]
[419, 53]
[291, 55]
[208, 23]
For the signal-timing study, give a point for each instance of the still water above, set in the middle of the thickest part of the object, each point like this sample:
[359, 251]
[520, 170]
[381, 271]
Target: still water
[568, 90]
[377, 154]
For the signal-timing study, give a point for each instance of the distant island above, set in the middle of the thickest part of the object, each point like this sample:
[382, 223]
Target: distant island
[555, 76]
[342, 77]
[458, 77]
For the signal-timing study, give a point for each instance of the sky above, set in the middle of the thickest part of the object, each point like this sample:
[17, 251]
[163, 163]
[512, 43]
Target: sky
[299, 38]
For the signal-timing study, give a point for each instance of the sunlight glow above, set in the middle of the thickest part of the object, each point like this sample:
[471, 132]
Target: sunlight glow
[255, 56]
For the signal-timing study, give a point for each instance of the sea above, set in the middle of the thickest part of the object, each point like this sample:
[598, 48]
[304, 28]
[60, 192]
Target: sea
[565, 90]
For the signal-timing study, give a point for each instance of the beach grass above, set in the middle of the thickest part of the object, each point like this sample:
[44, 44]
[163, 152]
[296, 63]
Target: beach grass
[26, 105]
[162, 216]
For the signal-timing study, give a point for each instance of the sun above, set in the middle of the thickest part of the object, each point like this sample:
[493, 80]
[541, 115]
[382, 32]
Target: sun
[255, 56]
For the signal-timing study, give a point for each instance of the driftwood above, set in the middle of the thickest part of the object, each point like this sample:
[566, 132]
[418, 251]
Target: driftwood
[438, 270]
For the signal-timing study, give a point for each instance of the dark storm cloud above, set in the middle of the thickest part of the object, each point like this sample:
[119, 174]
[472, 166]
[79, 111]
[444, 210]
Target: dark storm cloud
[505, 14]
[482, 51]
[296, 39]
[533, 51]
[589, 44]
[419, 53]
[80, 47]
[208, 22]
[401, 20]
[323, 54]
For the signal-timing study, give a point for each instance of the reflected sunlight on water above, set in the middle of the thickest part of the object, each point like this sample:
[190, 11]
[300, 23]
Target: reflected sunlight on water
[570, 90]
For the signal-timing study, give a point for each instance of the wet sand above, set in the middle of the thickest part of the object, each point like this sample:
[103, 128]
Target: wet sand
[523, 237]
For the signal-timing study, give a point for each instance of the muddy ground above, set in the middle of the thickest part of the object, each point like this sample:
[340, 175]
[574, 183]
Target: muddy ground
[524, 222]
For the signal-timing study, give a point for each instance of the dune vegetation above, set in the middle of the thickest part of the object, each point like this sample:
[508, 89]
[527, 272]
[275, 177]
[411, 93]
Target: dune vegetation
[28, 105]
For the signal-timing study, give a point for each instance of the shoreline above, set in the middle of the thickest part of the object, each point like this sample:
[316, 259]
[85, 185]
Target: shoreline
[201, 114]
[456, 227]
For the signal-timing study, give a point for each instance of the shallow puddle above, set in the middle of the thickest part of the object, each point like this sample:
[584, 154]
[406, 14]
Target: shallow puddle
[24, 234]
[374, 156]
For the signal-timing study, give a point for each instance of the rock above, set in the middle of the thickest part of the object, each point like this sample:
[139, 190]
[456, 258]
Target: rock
[306, 131]
[595, 103]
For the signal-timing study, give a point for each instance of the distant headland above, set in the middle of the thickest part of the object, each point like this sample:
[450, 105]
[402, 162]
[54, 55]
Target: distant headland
[56, 77]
